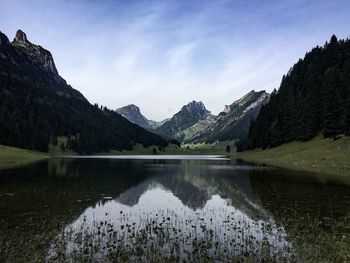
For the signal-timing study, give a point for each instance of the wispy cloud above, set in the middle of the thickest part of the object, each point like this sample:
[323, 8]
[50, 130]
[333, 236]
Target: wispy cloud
[162, 54]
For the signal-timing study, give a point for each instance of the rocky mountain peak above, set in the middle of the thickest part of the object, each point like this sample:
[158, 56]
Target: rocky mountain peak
[133, 114]
[133, 107]
[21, 36]
[195, 107]
[37, 53]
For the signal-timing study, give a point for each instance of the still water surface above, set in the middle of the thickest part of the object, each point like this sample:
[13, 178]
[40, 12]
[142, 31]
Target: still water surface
[174, 208]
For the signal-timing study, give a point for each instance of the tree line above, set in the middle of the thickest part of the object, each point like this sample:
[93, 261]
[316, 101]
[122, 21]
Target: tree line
[313, 98]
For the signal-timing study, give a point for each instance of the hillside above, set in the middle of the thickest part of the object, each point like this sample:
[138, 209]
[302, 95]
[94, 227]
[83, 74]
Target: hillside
[192, 115]
[313, 98]
[319, 154]
[37, 106]
[234, 121]
[11, 157]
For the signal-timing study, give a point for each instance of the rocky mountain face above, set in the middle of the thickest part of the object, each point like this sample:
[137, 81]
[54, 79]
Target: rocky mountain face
[37, 105]
[132, 113]
[191, 118]
[234, 121]
[36, 53]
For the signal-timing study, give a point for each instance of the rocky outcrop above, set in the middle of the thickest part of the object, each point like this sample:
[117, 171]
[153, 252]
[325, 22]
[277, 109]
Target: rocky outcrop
[37, 106]
[194, 114]
[234, 121]
[133, 113]
[37, 54]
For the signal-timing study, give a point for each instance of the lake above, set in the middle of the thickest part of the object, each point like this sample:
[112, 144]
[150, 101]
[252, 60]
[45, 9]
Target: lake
[170, 208]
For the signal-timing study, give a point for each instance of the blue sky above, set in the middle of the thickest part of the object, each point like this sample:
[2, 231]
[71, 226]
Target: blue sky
[161, 54]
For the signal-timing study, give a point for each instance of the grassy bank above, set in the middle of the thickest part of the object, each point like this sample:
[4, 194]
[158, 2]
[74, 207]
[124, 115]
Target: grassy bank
[11, 156]
[318, 155]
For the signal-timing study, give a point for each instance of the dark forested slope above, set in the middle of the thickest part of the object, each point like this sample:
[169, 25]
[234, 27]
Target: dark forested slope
[37, 105]
[313, 97]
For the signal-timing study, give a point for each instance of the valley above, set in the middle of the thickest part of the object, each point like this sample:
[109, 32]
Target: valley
[174, 131]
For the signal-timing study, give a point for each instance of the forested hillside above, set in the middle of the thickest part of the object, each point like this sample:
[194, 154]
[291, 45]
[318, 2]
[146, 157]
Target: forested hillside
[37, 105]
[313, 97]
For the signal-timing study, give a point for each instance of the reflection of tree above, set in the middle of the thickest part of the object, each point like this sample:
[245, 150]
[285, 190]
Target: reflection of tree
[38, 200]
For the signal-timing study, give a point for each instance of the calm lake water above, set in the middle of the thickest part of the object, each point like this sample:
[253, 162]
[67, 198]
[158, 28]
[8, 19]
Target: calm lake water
[174, 208]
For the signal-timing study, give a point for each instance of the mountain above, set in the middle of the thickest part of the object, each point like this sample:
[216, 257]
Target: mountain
[234, 121]
[37, 105]
[313, 98]
[132, 113]
[183, 124]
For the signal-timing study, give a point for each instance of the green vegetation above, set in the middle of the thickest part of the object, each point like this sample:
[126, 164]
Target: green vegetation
[319, 155]
[60, 147]
[234, 122]
[190, 118]
[314, 97]
[168, 238]
[11, 157]
[200, 148]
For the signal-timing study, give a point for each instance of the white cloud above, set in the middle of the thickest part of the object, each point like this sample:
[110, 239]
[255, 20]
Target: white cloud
[162, 54]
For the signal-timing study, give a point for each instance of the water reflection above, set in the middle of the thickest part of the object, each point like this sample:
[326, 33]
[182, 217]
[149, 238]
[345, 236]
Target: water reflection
[217, 209]
[185, 211]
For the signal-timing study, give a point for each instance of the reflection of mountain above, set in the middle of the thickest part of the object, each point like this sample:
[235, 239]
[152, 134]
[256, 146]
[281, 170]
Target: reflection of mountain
[194, 185]
[36, 201]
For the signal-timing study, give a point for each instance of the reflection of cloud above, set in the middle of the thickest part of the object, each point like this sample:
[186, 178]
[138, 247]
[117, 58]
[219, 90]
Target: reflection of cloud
[160, 209]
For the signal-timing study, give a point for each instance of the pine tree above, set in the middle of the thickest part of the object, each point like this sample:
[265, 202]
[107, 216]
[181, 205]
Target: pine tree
[331, 123]
[347, 119]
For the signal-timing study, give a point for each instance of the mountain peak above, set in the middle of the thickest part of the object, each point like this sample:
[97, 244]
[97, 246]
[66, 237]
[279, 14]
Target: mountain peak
[132, 107]
[194, 106]
[133, 114]
[21, 36]
[37, 53]
[189, 115]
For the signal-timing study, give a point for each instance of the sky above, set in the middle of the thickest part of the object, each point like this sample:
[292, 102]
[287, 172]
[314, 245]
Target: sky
[161, 54]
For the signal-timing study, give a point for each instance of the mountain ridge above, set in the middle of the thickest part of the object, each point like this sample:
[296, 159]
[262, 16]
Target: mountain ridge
[133, 113]
[234, 121]
[38, 106]
[189, 115]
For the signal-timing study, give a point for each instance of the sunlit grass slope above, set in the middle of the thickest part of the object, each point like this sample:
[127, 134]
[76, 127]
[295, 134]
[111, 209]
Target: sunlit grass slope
[319, 155]
[11, 156]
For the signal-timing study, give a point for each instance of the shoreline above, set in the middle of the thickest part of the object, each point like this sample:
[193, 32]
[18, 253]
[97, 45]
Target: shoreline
[11, 157]
[318, 155]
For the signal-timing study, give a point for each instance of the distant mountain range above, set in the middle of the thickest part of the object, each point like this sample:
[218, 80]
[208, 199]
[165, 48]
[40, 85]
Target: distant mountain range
[194, 123]
[37, 106]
